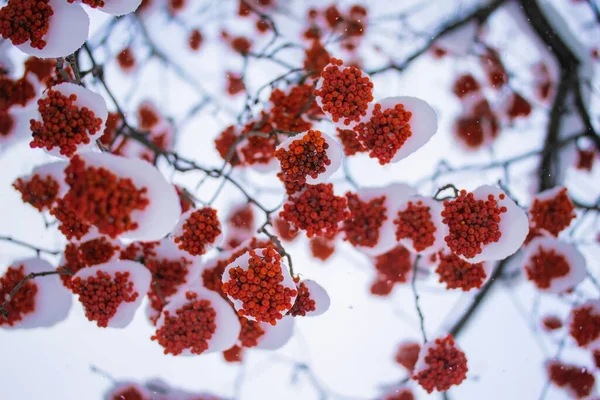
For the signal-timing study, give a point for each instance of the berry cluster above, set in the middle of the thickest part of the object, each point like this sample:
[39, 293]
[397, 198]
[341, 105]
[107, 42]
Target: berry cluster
[167, 277]
[465, 85]
[23, 302]
[192, 326]
[472, 223]
[260, 288]
[287, 110]
[40, 192]
[12, 92]
[552, 323]
[456, 273]
[391, 267]
[385, 132]
[321, 248]
[225, 145]
[86, 254]
[554, 214]
[304, 303]
[415, 224]
[585, 325]
[577, 379]
[408, 354]
[199, 231]
[350, 142]
[366, 218]
[546, 265]
[304, 157]
[250, 333]
[64, 124]
[26, 20]
[70, 224]
[101, 295]
[316, 58]
[103, 199]
[316, 210]
[345, 93]
[445, 365]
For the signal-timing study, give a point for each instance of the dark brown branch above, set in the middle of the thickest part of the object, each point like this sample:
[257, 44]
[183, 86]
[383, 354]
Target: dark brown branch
[37, 249]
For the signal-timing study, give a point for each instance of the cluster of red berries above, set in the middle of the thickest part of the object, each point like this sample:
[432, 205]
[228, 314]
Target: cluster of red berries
[64, 124]
[235, 354]
[195, 40]
[15, 92]
[235, 83]
[101, 295]
[42, 68]
[250, 333]
[392, 267]
[518, 106]
[242, 218]
[554, 214]
[494, 68]
[126, 59]
[304, 303]
[385, 132]
[352, 23]
[545, 266]
[472, 223]
[69, 223]
[446, 365]
[316, 58]
[350, 142]
[415, 224]
[321, 248]
[585, 159]
[408, 354]
[199, 231]
[585, 325]
[110, 131]
[225, 145]
[305, 157]
[167, 277]
[23, 302]
[185, 199]
[40, 192]
[552, 323]
[345, 93]
[260, 288]
[129, 393]
[26, 20]
[288, 110]
[366, 218]
[258, 149]
[81, 255]
[7, 123]
[285, 230]
[456, 273]
[316, 210]
[103, 199]
[190, 328]
[477, 125]
[578, 380]
[465, 85]
[401, 394]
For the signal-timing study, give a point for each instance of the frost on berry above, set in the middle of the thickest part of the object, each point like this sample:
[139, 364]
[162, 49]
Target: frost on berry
[37, 28]
[484, 225]
[110, 293]
[131, 198]
[441, 365]
[391, 268]
[171, 268]
[457, 273]
[321, 248]
[311, 157]
[316, 210]
[577, 381]
[44, 186]
[370, 227]
[344, 93]
[552, 323]
[552, 265]
[198, 231]
[40, 302]
[552, 210]
[70, 118]
[260, 286]
[196, 321]
[418, 224]
[350, 142]
[395, 127]
[312, 300]
[584, 324]
[407, 355]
